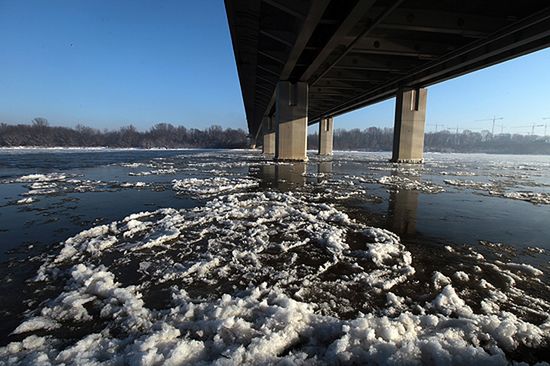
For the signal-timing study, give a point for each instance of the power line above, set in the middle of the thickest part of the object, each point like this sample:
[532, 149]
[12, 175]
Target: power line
[545, 125]
[533, 128]
[491, 119]
[501, 128]
[436, 125]
[528, 128]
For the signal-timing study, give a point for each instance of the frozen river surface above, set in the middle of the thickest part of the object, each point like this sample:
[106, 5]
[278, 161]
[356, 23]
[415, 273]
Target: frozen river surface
[223, 257]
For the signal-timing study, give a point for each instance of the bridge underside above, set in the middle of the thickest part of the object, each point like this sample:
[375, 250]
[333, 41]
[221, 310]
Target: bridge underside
[351, 54]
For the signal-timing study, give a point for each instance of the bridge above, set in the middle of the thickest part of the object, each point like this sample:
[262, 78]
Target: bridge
[302, 62]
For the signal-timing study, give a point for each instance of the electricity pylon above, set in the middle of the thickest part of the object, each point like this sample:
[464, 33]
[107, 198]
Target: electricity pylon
[491, 119]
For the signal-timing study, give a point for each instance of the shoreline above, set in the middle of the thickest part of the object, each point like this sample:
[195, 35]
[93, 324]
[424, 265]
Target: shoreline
[310, 151]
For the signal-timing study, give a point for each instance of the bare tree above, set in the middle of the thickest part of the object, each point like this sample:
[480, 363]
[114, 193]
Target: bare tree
[40, 122]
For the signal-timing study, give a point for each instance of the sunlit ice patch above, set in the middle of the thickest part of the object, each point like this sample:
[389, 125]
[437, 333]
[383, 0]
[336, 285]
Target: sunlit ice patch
[206, 187]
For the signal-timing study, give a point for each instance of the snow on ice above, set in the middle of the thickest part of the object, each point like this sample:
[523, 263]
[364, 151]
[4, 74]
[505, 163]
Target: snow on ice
[266, 278]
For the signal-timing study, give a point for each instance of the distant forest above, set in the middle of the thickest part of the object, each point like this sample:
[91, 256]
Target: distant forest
[165, 135]
[381, 139]
[162, 135]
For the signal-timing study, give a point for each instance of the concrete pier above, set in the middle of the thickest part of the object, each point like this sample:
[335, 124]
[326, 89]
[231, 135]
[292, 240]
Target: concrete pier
[268, 146]
[291, 121]
[326, 132]
[410, 119]
[269, 143]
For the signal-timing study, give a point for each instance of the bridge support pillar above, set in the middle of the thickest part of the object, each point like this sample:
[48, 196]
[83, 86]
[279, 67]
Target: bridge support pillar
[326, 132]
[408, 131]
[291, 121]
[269, 143]
[269, 136]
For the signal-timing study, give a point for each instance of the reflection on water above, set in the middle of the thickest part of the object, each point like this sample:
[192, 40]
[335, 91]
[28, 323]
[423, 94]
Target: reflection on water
[284, 177]
[266, 174]
[402, 212]
[289, 176]
[412, 204]
[402, 208]
[324, 167]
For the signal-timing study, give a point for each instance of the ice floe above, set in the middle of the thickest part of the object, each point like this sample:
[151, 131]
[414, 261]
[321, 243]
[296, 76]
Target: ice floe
[133, 184]
[267, 278]
[458, 173]
[63, 183]
[211, 186]
[399, 182]
[540, 198]
[25, 201]
[469, 184]
[41, 177]
[166, 171]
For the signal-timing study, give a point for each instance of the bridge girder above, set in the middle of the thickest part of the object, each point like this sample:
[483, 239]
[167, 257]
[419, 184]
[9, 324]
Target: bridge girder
[356, 53]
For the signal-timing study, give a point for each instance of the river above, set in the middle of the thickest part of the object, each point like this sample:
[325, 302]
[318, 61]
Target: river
[221, 256]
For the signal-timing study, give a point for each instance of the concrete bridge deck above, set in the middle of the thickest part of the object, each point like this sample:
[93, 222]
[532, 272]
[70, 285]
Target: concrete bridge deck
[301, 62]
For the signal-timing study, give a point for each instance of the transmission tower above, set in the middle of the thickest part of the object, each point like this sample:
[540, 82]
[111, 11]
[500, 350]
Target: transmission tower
[494, 119]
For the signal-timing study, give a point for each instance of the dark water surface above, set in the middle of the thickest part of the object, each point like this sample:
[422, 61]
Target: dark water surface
[55, 217]
[458, 215]
[487, 216]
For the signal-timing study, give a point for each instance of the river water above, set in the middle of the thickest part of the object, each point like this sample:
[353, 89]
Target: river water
[203, 256]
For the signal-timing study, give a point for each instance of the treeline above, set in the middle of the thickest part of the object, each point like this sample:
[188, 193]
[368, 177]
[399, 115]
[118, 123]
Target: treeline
[381, 139]
[162, 135]
[165, 135]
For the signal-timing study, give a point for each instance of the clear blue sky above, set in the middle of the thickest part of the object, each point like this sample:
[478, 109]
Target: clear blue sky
[108, 63]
